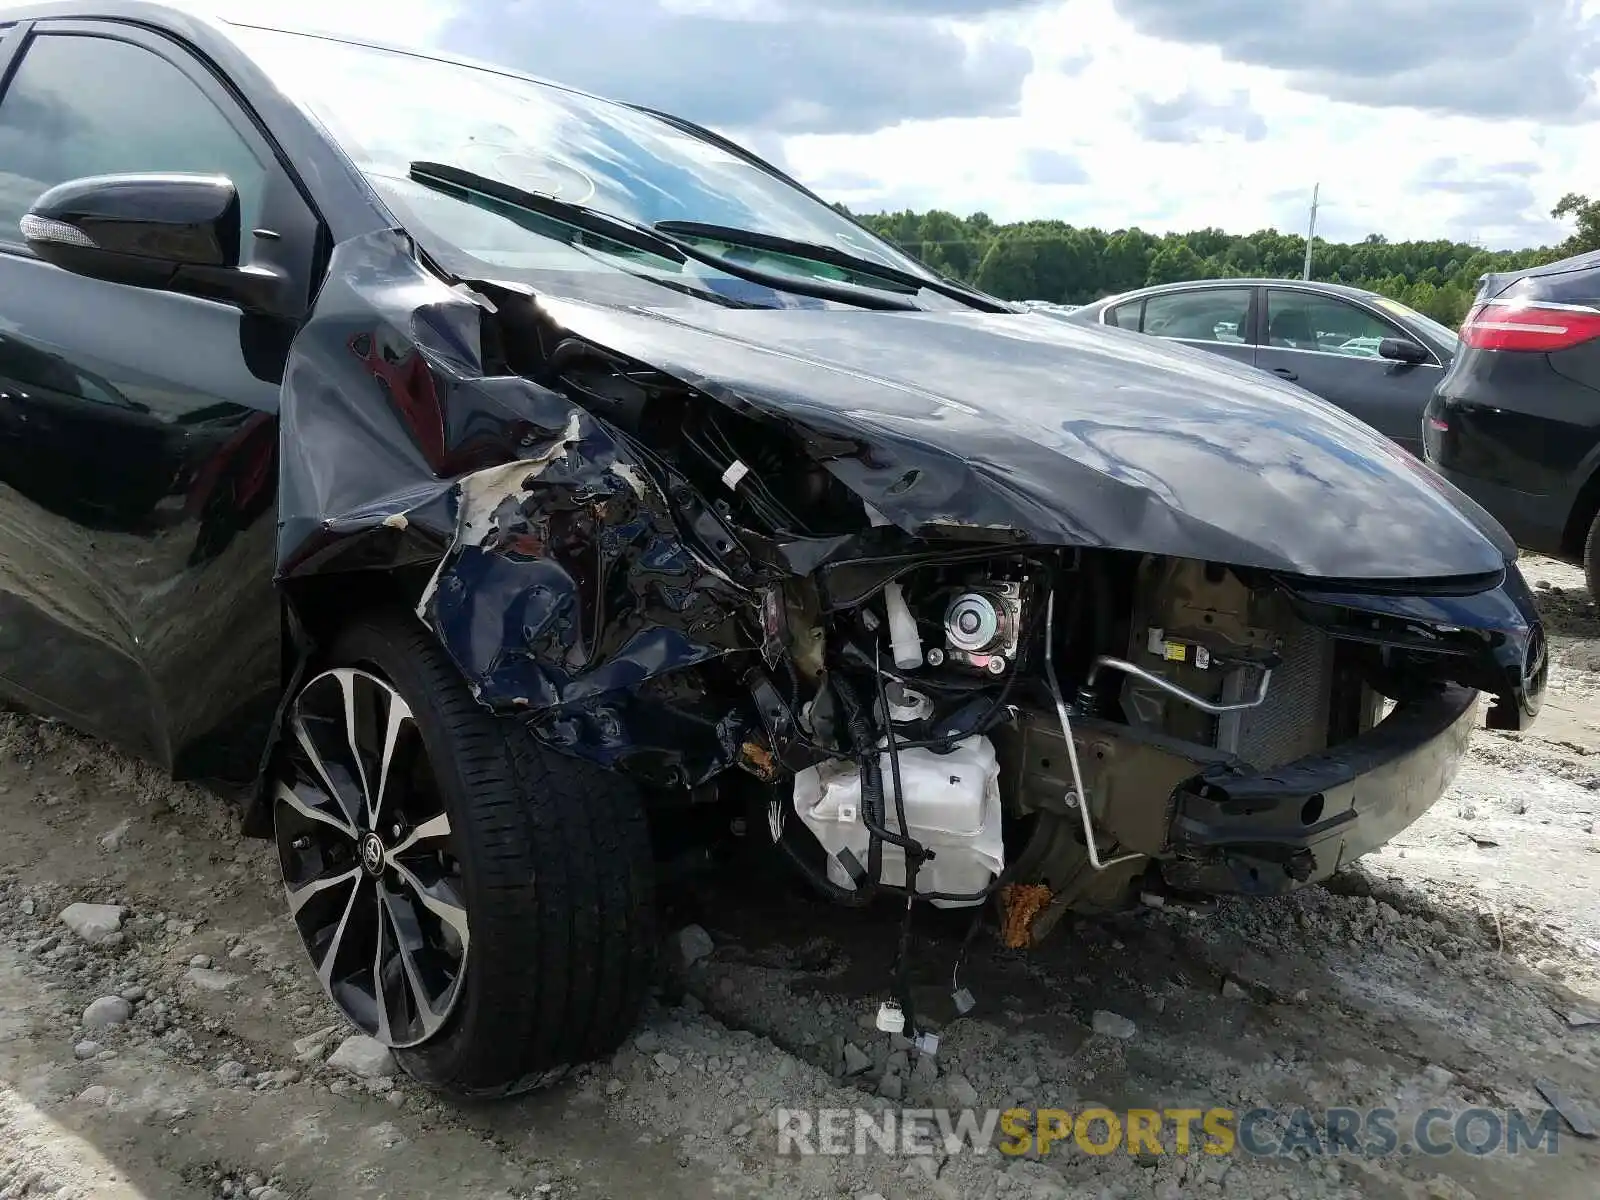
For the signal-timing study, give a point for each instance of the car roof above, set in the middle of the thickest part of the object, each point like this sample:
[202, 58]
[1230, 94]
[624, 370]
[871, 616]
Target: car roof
[1156, 289]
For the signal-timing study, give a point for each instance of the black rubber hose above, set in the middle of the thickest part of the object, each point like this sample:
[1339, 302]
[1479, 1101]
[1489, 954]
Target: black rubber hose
[871, 794]
[850, 897]
[914, 850]
[872, 814]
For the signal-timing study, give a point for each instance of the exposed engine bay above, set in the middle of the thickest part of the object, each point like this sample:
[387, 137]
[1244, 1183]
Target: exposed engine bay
[1042, 714]
[1038, 710]
[924, 654]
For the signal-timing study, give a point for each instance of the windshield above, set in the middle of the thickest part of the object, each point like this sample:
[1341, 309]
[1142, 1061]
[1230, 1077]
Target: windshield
[388, 109]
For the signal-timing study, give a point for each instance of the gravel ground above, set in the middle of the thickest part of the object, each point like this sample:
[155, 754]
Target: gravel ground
[178, 1048]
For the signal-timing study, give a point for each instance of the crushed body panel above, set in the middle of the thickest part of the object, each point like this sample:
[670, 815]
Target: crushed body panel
[561, 580]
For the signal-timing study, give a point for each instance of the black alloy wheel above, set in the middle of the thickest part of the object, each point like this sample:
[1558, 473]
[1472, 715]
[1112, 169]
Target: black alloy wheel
[369, 861]
[468, 896]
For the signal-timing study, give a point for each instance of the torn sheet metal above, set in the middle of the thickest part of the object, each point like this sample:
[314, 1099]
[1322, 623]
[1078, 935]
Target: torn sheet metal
[561, 584]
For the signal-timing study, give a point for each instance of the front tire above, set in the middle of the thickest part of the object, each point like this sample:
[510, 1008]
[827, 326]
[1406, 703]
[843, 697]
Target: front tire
[468, 897]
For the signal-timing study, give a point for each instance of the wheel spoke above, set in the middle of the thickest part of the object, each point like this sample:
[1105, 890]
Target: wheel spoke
[434, 827]
[309, 745]
[447, 909]
[399, 714]
[299, 897]
[330, 957]
[404, 925]
[385, 1032]
[347, 685]
[289, 796]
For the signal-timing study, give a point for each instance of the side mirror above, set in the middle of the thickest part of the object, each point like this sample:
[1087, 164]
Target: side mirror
[1402, 350]
[177, 233]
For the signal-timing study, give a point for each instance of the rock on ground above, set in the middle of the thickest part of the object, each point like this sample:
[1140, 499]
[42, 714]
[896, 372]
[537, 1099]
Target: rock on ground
[208, 979]
[113, 838]
[363, 1057]
[962, 1092]
[855, 1059]
[106, 1012]
[94, 923]
[690, 944]
[1113, 1025]
[313, 1045]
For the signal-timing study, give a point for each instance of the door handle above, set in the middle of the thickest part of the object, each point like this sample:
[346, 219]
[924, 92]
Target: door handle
[1284, 373]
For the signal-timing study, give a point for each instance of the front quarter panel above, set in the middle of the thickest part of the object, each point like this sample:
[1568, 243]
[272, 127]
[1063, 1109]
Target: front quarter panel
[546, 555]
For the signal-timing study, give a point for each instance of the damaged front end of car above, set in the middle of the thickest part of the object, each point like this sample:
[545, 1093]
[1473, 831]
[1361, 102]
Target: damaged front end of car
[746, 575]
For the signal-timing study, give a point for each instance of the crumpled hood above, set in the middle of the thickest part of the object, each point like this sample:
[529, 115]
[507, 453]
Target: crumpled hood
[1071, 435]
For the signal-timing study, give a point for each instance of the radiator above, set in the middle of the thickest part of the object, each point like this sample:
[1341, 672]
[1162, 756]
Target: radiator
[1294, 720]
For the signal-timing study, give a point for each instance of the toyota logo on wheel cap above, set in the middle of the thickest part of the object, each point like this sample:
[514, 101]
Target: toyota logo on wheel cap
[372, 854]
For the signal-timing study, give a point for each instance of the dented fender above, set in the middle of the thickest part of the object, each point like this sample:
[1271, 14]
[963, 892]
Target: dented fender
[561, 584]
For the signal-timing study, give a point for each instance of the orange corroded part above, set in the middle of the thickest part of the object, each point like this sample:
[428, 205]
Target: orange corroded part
[1021, 903]
[757, 759]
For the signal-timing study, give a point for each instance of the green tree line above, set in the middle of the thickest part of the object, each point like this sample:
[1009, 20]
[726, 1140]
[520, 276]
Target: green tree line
[1067, 264]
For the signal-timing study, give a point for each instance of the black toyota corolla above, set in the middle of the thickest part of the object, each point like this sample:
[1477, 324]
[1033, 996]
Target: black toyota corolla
[499, 485]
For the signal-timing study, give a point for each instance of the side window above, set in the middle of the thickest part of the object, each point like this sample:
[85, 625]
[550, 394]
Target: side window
[1124, 316]
[1211, 315]
[82, 105]
[1307, 321]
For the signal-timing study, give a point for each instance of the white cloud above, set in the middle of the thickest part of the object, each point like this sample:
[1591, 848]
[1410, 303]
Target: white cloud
[1170, 114]
[1179, 136]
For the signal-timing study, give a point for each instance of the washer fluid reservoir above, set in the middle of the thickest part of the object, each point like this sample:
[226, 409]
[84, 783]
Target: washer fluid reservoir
[952, 807]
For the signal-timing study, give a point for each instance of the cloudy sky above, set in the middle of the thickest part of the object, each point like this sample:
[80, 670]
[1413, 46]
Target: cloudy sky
[1420, 118]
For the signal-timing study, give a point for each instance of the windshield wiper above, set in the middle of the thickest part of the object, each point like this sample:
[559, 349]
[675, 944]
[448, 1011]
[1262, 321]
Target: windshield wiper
[893, 277]
[462, 184]
[832, 256]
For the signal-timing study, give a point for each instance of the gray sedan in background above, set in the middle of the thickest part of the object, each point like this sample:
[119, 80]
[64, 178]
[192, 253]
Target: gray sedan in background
[1372, 356]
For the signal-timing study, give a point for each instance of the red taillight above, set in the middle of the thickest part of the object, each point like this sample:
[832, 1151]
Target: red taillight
[1529, 326]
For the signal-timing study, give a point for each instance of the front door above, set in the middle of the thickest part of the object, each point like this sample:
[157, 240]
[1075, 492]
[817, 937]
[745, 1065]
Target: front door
[1329, 346]
[138, 431]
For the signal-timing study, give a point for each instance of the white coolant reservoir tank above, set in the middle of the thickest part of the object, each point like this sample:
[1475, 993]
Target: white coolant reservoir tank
[904, 641]
[952, 805]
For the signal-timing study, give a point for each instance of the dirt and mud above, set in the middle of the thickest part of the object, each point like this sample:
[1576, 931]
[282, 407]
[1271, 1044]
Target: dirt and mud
[177, 1047]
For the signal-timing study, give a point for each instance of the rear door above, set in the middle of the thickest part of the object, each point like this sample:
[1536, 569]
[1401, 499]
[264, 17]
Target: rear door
[1218, 319]
[137, 427]
[1329, 346]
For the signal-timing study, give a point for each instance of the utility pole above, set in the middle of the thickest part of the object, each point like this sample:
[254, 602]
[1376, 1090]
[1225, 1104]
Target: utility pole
[1311, 233]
